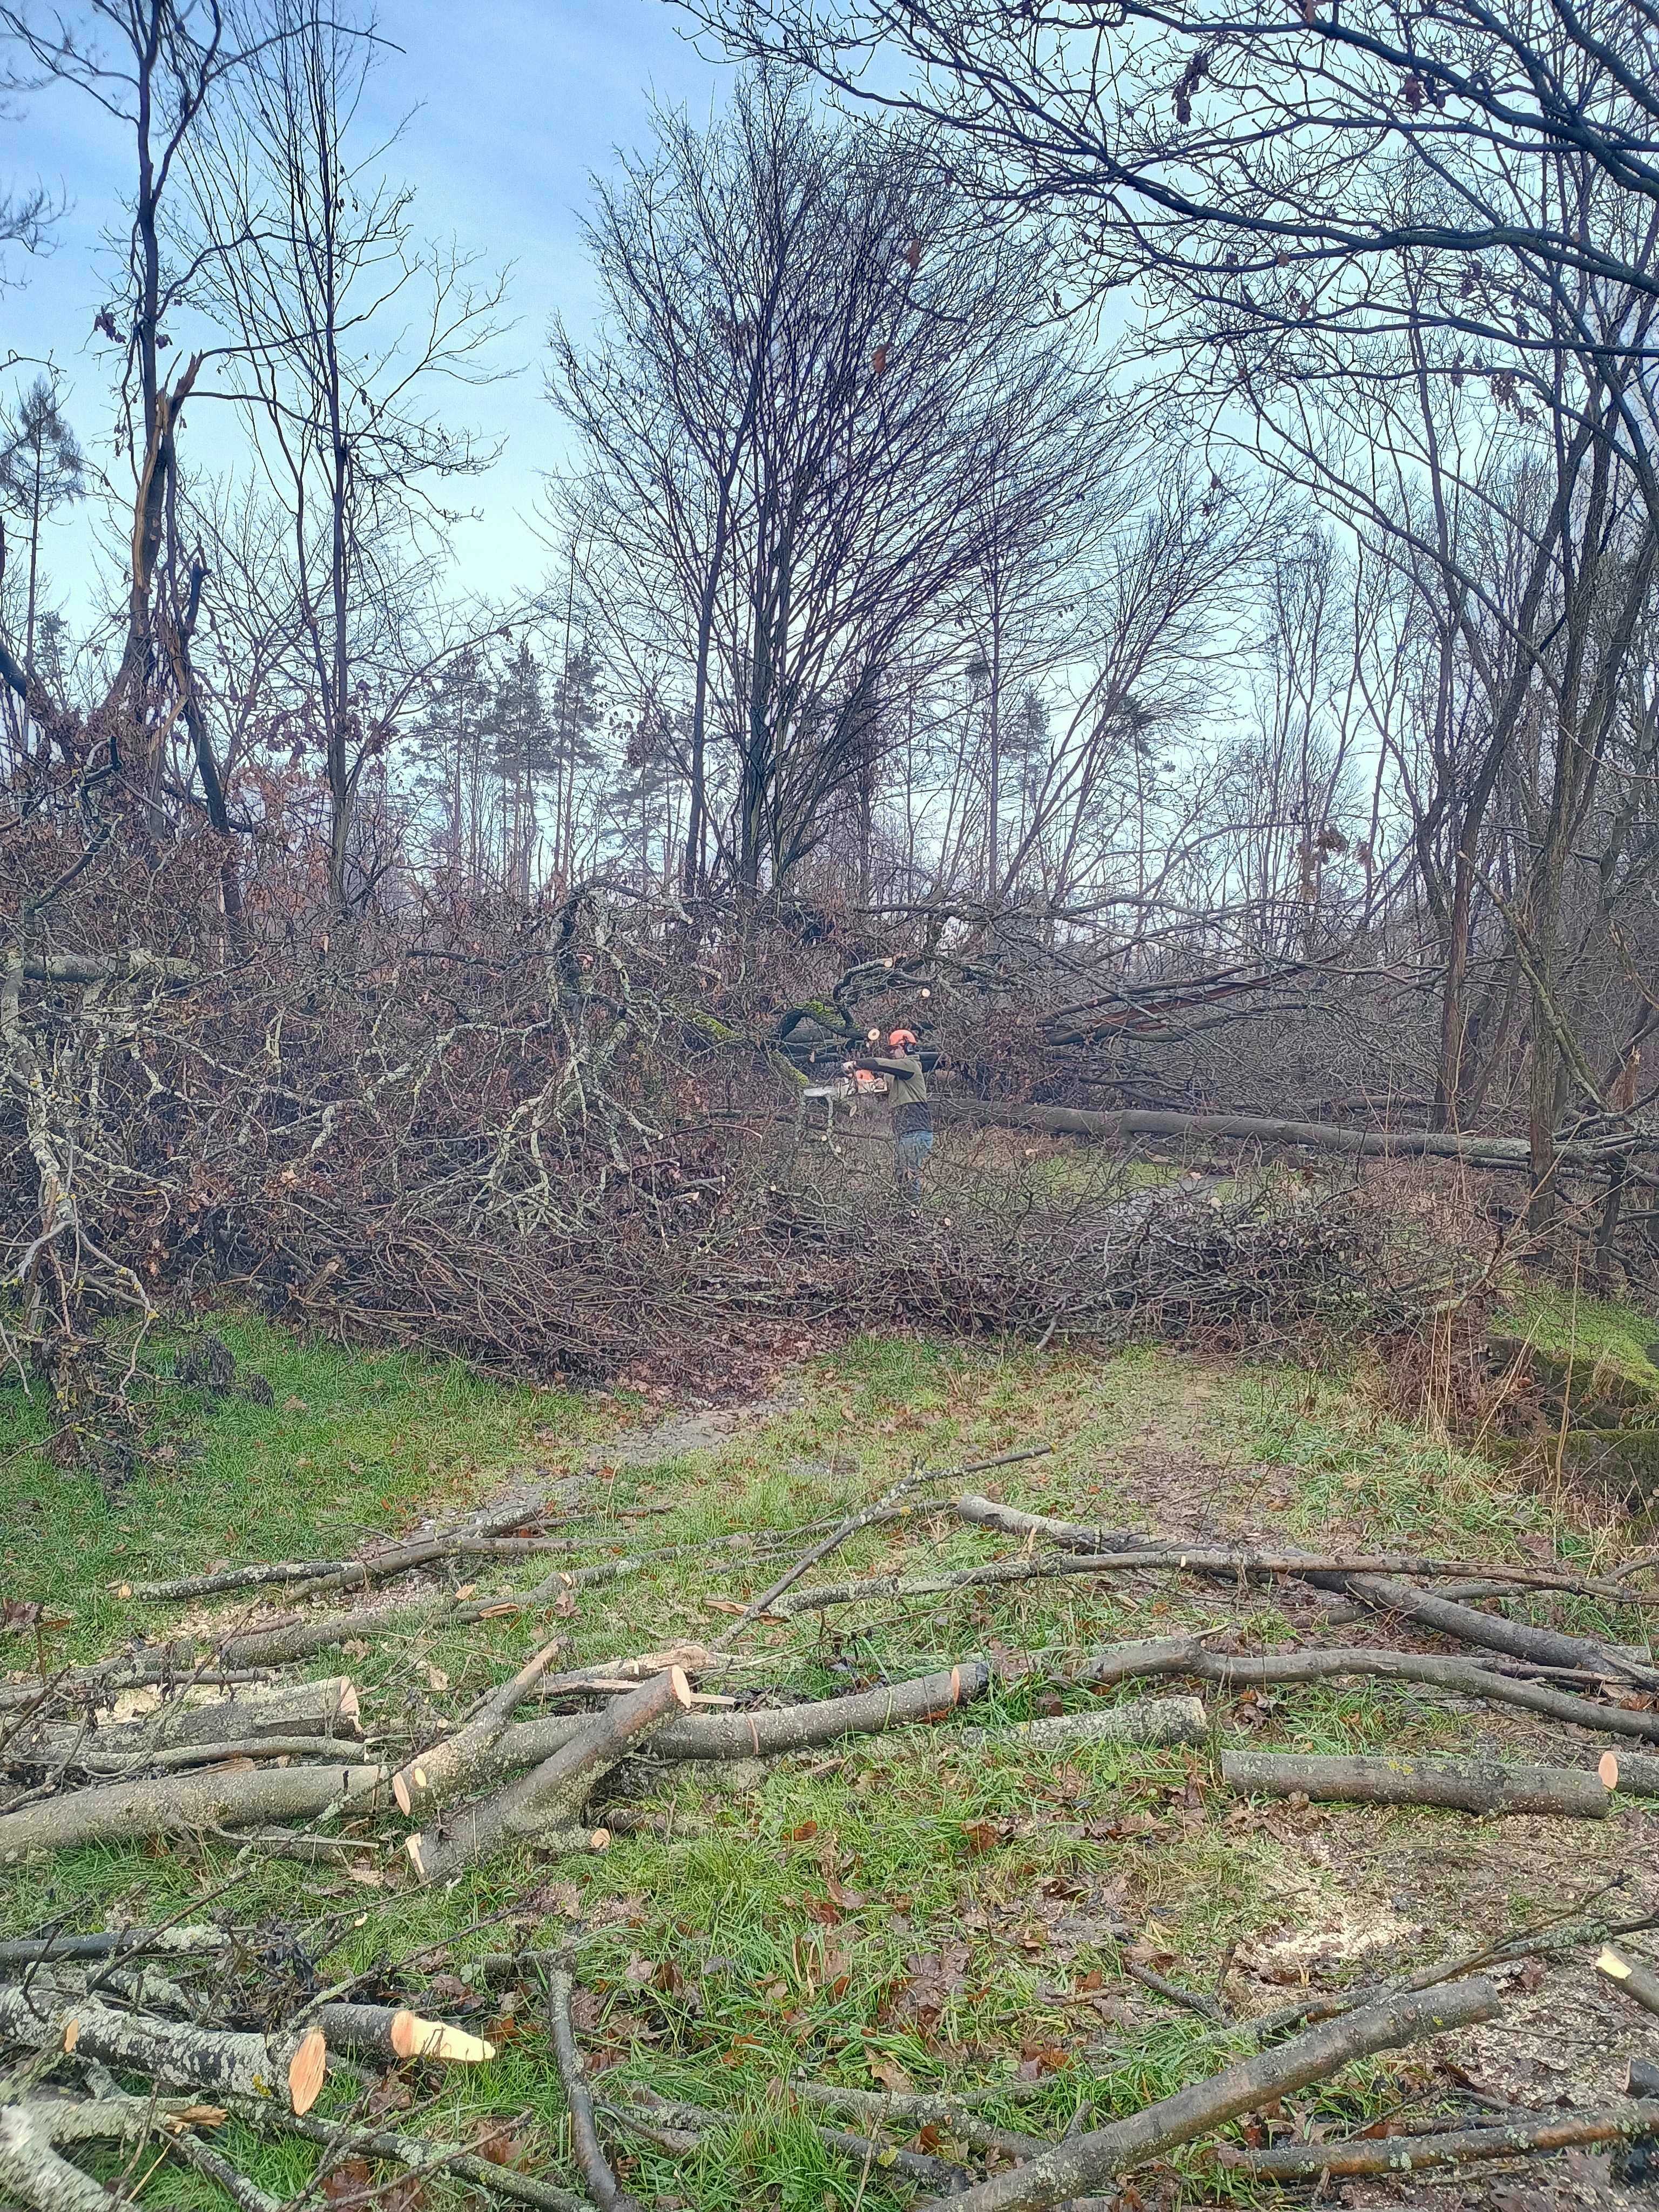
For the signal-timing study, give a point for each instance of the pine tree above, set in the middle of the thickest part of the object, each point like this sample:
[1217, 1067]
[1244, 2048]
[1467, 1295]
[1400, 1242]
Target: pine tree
[41, 469]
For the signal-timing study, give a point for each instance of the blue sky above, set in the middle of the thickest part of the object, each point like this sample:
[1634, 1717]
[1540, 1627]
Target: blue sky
[516, 103]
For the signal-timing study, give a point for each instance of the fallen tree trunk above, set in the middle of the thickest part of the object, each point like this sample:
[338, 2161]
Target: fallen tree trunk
[174, 1805]
[1189, 1654]
[550, 1796]
[1084, 2163]
[1148, 1721]
[1473, 1786]
[222, 2061]
[1455, 2147]
[1511, 1155]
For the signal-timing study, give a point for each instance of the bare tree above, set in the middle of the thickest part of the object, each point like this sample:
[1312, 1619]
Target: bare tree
[340, 322]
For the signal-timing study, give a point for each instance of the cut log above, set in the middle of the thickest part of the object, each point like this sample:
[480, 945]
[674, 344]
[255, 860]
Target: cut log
[1628, 1770]
[1469, 1785]
[1636, 1980]
[1148, 1721]
[444, 1769]
[607, 2192]
[1191, 1655]
[550, 1795]
[758, 1733]
[176, 1804]
[309, 1749]
[1084, 2163]
[32, 2174]
[395, 2033]
[1393, 2154]
[218, 2060]
[287, 1709]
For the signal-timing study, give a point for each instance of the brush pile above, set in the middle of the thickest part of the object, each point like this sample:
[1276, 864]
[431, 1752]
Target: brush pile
[125, 2041]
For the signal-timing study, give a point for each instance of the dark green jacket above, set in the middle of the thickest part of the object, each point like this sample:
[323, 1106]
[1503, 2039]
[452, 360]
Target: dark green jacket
[904, 1071]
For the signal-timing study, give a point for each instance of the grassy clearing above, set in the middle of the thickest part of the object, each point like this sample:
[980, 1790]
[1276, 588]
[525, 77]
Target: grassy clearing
[904, 1908]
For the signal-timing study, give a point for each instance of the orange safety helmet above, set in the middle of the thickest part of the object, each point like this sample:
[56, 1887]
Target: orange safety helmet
[900, 1038]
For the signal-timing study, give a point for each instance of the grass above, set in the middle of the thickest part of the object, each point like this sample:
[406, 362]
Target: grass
[900, 1902]
[1620, 1338]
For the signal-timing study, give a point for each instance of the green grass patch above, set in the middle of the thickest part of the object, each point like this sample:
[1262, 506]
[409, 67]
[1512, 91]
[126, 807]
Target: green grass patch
[1569, 1327]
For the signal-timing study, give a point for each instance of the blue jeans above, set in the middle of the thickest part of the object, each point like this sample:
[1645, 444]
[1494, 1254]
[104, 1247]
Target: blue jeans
[912, 1149]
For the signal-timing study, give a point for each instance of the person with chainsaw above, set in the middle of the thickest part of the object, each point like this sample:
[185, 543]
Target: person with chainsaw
[913, 1115]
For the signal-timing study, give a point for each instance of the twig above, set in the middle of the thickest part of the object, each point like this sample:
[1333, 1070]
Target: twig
[608, 2193]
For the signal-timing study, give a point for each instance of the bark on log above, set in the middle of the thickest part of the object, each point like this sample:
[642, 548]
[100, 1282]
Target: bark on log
[1189, 1654]
[1637, 1980]
[173, 1805]
[443, 1769]
[550, 1795]
[1491, 1632]
[754, 1733]
[392, 2032]
[1642, 2077]
[287, 1709]
[284, 1641]
[1148, 1721]
[223, 2062]
[111, 1943]
[607, 2192]
[1455, 2147]
[174, 1661]
[309, 1748]
[423, 2157]
[1087, 2162]
[1472, 1786]
[394, 1558]
[34, 2174]
[1627, 1770]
